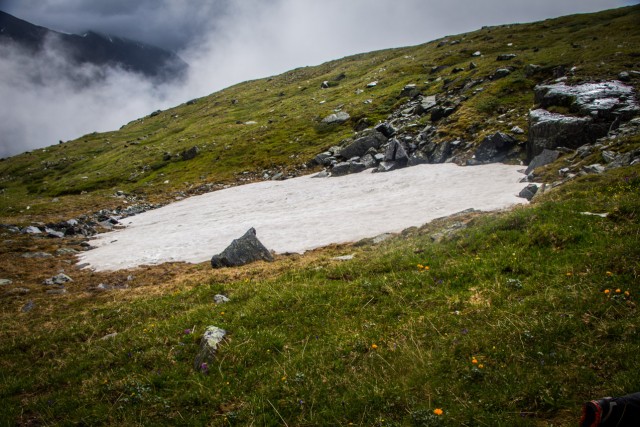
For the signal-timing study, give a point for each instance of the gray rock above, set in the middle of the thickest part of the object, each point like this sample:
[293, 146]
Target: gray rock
[605, 100]
[109, 336]
[624, 76]
[220, 299]
[500, 73]
[66, 251]
[494, 148]
[441, 152]
[242, 251]
[386, 129]
[410, 90]
[341, 169]
[532, 69]
[320, 158]
[336, 118]
[426, 104]
[528, 192]
[322, 174]
[36, 255]
[379, 157]
[211, 339]
[61, 291]
[418, 158]
[594, 168]
[355, 167]
[53, 233]
[278, 177]
[31, 230]
[28, 306]
[396, 153]
[386, 167]
[544, 158]
[360, 146]
[381, 238]
[190, 154]
[505, 57]
[369, 161]
[344, 257]
[59, 279]
[439, 112]
[552, 130]
[620, 160]
[4, 282]
[18, 291]
[517, 130]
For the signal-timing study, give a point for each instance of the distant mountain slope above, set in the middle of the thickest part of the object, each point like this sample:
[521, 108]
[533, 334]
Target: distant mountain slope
[94, 48]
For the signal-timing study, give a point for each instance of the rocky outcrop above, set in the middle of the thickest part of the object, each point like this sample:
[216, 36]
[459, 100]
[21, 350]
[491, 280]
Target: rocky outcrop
[596, 108]
[494, 148]
[542, 159]
[360, 146]
[242, 251]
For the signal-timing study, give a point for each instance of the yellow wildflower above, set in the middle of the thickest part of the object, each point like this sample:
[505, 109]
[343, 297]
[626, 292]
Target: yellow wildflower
[438, 411]
[374, 346]
[618, 291]
[626, 293]
[474, 361]
[606, 291]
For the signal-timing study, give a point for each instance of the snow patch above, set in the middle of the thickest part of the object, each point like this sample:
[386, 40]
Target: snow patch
[304, 213]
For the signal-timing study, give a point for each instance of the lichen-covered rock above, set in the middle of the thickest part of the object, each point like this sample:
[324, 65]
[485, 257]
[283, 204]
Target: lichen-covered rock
[211, 339]
[552, 130]
[336, 118]
[242, 251]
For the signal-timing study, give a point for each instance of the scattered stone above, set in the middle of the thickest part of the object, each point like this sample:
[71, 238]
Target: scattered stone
[601, 215]
[532, 69]
[211, 339]
[544, 158]
[476, 53]
[220, 299]
[505, 57]
[528, 192]
[36, 255]
[594, 168]
[242, 251]
[372, 84]
[344, 257]
[396, 153]
[322, 174]
[517, 130]
[61, 291]
[53, 233]
[441, 152]
[341, 169]
[336, 118]
[19, 291]
[386, 129]
[190, 154]
[473, 65]
[624, 76]
[381, 238]
[410, 90]
[66, 251]
[500, 73]
[438, 113]
[31, 230]
[28, 306]
[59, 279]
[5, 282]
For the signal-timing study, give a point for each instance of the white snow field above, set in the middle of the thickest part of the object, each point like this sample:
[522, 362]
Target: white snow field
[304, 213]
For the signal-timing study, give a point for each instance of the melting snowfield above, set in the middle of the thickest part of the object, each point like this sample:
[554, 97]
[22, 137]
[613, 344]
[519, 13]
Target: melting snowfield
[304, 213]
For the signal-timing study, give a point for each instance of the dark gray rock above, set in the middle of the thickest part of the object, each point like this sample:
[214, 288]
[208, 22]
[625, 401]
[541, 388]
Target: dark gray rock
[439, 112]
[528, 192]
[321, 158]
[322, 174]
[59, 279]
[355, 167]
[336, 118]
[604, 101]
[4, 282]
[494, 148]
[418, 158]
[386, 167]
[595, 168]
[53, 233]
[360, 146]
[532, 69]
[552, 130]
[369, 161]
[619, 160]
[426, 104]
[37, 255]
[386, 129]
[544, 158]
[396, 153]
[410, 90]
[190, 154]
[624, 76]
[441, 152]
[505, 57]
[242, 251]
[340, 169]
[500, 73]
[211, 339]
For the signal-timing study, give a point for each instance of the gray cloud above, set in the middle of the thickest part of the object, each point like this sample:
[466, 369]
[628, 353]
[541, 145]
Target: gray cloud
[225, 42]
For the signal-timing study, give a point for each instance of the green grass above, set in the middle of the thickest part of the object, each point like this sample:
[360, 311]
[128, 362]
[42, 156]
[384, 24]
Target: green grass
[521, 292]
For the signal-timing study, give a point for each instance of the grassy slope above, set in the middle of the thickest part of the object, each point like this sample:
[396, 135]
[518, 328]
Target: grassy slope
[520, 292]
[288, 108]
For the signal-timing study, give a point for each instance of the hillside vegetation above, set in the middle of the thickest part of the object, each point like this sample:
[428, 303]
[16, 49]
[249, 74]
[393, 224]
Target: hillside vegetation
[480, 319]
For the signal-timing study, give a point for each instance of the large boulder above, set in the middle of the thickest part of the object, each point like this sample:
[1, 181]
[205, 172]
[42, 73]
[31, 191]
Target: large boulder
[494, 148]
[360, 146]
[396, 153]
[242, 251]
[544, 158]
[601, 101]
[552, 130]
[441, 152]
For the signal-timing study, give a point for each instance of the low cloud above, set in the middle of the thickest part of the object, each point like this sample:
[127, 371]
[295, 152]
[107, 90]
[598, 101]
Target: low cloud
[224, 42]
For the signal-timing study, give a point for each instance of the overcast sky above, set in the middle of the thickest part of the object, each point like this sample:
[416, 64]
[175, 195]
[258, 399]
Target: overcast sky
[226, 42]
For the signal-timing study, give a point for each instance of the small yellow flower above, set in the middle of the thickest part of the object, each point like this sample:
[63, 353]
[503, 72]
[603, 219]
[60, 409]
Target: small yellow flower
[480, 366]
[474, 361]
[420, 266]
[618, 291]
[609, 273]
[569, 274]
[426, 267]
[438, 411]
[606, 291]
[626, 293]
[374, 346]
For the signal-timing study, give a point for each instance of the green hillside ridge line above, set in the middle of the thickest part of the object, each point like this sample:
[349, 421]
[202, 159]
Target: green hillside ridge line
[143, 157]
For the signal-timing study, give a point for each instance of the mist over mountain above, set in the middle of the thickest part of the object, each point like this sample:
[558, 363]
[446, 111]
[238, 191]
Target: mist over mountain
[92, 48]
